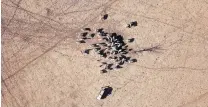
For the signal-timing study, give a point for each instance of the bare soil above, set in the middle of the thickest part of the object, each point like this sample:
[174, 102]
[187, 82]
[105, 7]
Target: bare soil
[42, 65]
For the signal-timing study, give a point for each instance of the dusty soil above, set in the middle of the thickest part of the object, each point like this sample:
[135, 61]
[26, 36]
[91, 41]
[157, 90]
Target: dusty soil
[42, 66]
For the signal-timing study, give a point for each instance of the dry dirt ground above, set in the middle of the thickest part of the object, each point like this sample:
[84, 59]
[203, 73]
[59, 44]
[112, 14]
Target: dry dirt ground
[42, 66]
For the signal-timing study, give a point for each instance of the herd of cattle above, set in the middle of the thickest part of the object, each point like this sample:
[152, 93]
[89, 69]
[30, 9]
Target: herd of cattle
[111, 47]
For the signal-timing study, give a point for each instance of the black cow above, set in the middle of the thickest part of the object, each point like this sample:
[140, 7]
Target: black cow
[105, 16]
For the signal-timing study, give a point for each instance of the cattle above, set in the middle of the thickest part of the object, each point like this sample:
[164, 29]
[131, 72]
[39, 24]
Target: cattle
[105, 17]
